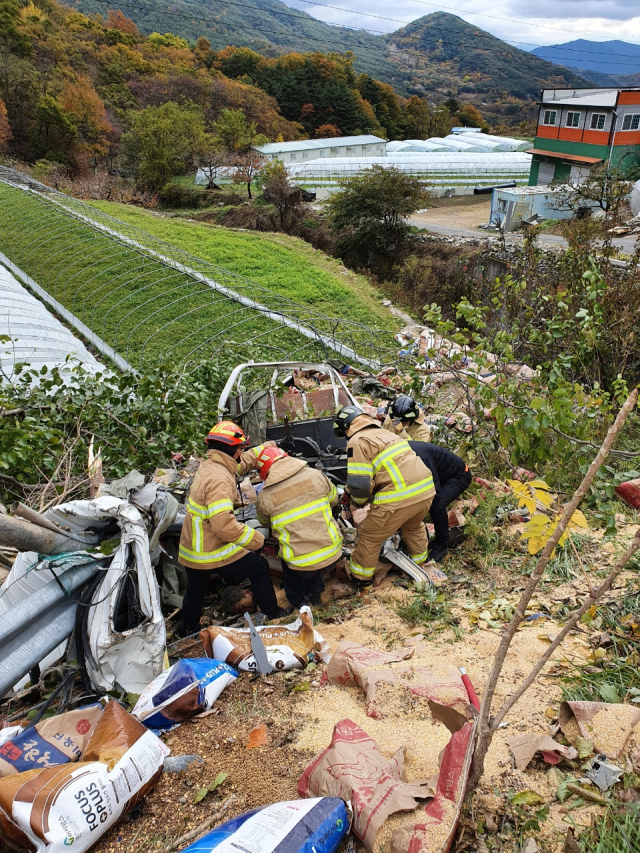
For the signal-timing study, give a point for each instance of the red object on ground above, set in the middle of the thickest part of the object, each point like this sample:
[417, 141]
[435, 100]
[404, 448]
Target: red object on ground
[473, 698]
[629, 492]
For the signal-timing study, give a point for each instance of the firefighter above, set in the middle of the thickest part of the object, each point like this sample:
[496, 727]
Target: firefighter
[383, 470]
[406, 419]
[213, 541]
[296, 503]
[451, 477]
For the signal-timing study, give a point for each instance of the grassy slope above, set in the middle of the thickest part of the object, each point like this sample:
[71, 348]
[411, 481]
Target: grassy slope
[286, 265]
[151, 313]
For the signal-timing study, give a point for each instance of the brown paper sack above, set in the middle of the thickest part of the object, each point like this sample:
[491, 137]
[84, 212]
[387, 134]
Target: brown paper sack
[354, 769]
[607, 725]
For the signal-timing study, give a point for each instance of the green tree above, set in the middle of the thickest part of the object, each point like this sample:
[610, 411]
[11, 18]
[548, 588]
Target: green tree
[369, 212]
[55, 130]
[162, 142]
[234, 133]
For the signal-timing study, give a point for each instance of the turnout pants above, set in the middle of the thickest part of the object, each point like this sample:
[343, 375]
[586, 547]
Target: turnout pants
[451, 490]
[381, 523]
[303, 587]
[253, 566]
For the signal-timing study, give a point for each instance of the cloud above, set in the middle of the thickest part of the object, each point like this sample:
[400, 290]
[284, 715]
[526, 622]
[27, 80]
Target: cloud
[517, 21]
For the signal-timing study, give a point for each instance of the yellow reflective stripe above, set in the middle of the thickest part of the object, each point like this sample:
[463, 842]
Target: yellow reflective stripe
[209, 556]
[363, 468]
[389, 453]
[392, 470]
[196, 527]
[423, 486]
[359, 501]
[332, 494]
[246, 537]
[258, 450]
[301, 512]
[209, 510]
[315, 556]
[419, 558]
[360, 571]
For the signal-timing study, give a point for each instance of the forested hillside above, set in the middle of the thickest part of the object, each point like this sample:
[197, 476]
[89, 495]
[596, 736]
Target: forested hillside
[72, 87]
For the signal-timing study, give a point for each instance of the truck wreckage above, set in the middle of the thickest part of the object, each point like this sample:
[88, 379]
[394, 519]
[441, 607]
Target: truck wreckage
[86, 571]
[296, 420]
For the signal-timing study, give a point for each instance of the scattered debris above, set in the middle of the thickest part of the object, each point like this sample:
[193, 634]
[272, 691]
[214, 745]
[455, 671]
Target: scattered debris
[603, 774]
[525, 746]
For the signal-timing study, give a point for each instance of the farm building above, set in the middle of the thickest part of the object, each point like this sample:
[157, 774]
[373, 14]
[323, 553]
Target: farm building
[582, 128]
[452, 173]
[510, 206]
[312, 149]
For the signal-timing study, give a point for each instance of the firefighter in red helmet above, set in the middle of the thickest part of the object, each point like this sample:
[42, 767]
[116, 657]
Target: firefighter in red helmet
[213, 541]
[296, 502]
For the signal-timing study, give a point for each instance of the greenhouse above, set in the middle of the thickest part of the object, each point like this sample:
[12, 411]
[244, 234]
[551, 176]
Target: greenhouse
[30, 335]
[514, 144]
[455, 143]
[413, 145]
[479, 140]
[440, 170]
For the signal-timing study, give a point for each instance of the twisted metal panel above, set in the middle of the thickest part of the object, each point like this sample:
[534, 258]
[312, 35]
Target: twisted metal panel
[151, 301]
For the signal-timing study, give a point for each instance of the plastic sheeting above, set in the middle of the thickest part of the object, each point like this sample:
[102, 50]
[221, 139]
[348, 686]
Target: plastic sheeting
[38, 338]
[448, 169]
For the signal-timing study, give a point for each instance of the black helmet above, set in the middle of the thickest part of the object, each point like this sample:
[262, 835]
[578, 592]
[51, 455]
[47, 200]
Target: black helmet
[343, 418]
[405, 408]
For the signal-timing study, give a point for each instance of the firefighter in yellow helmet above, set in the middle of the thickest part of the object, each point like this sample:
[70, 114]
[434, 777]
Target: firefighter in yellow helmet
[296, 502]
[213, 541]
[383, 470]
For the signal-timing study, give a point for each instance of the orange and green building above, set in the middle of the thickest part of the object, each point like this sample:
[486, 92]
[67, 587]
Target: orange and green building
[581, 128]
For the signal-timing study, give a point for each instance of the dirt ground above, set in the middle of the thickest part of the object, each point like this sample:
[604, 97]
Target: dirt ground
[465, 212]
[299, 713]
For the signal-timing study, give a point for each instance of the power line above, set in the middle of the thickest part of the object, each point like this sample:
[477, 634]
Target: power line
[367, 30]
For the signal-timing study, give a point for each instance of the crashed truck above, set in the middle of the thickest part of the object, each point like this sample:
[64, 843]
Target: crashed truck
[86, 584]
[265, 399]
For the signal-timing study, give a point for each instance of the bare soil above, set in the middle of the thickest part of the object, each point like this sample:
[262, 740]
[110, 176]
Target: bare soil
[299, 713]
[467, 212]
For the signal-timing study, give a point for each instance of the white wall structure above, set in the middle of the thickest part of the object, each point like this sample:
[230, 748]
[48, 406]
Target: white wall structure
[440, 170]
[38, 338]
[312, 149]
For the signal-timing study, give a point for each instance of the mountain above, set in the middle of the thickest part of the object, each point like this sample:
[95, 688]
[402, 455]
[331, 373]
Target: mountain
[443, 53]
[611, 59]
[439, 55]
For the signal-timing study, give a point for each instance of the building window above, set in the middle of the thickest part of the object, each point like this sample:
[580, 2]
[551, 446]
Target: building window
[321, 152]
[550, 117]
[502, 205]
[631, 122]
[335, 150]
[305, 154]
[597, 121]
[573, 119]
[293, 156]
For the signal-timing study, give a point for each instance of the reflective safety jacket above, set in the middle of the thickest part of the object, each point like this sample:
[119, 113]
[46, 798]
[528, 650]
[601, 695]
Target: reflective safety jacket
[382, 468]
[296, 502]
[212, 536]
[416, 431]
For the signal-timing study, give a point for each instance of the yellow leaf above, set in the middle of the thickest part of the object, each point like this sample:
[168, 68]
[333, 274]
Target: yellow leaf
[537, 543]
[578, 520]
[536, 526]
[539, 484]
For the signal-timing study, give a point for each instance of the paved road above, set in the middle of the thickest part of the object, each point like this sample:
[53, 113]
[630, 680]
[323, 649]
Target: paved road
[624, 244]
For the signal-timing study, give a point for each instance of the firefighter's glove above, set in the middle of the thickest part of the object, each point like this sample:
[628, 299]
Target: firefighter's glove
[363, 584]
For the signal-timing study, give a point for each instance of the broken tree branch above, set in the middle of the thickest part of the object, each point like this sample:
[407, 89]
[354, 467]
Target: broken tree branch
[216, 815]
[485, 729]
[573, 621]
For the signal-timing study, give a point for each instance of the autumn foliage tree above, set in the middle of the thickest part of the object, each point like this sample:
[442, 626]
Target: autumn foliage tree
[5, 130]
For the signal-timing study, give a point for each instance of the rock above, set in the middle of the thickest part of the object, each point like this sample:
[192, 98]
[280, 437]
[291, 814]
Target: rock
[530, 846]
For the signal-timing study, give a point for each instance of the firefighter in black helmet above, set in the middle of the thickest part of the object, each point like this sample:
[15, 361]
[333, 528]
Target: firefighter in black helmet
[406, 419]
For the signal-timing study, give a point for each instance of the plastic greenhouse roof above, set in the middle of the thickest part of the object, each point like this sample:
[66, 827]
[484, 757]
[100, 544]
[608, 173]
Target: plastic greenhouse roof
[309, 144]
[39, 339]
[504, 162]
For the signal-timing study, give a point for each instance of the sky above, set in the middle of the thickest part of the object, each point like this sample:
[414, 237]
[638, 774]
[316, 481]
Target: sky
[520, 22]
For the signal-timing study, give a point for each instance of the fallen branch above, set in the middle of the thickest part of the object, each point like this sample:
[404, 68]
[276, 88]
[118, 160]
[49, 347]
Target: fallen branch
[203, 827]
[486, 726]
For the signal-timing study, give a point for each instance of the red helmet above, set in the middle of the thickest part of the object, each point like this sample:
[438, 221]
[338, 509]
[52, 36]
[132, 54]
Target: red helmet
[226, 432]
[266, 459]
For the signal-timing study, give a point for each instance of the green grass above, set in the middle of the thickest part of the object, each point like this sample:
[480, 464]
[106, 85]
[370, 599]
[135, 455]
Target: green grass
[286, 265]
[152, 313]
